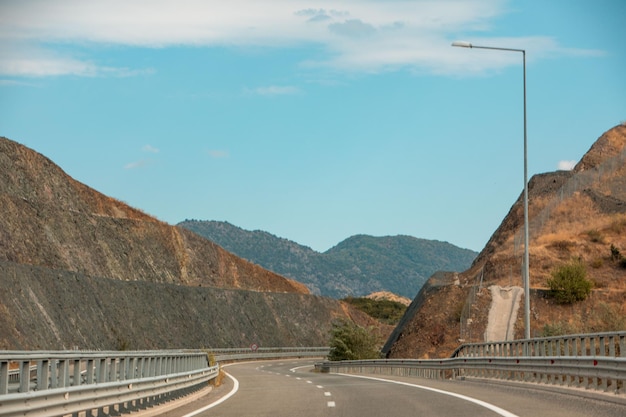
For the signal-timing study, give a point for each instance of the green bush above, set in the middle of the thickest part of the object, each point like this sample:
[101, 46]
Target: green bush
[569, 283]
[386, 311]
[352, 342]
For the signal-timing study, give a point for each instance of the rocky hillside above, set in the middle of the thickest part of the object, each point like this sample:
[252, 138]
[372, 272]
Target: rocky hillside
[574, 215]
[78, 268]
[357, 266]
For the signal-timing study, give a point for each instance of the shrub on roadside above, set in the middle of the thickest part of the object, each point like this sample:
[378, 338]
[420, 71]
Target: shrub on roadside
[569, 283]
[352, 342]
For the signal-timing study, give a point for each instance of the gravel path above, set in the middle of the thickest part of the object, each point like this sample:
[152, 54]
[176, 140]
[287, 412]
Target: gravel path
[505, 303]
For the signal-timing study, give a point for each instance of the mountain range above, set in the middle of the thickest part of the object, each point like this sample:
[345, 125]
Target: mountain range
[82, 270]
[357, 266]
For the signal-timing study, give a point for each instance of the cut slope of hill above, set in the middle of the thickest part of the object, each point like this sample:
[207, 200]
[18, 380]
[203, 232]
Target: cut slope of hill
[51, 220]
[572, 215]
[355, 267]
[81, 270]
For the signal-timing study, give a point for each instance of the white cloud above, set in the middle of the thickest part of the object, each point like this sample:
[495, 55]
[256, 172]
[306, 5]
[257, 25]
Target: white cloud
[353, 28]
[566, 165]
[18, 57]
[12, 83]
[137, 164]
[150, 148]
[356, 35]
[276, 90]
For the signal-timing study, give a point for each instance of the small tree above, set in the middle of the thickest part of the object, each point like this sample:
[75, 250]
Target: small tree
[352, 342]
[569, 283]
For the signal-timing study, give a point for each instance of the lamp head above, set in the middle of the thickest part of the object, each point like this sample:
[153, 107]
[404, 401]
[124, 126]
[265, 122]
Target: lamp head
[462, 44]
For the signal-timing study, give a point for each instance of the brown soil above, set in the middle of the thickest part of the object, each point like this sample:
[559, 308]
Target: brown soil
[573, 215]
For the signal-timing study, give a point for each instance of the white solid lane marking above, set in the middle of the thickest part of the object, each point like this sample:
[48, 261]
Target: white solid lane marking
[300, 367]
[495, 409]
[221, 400]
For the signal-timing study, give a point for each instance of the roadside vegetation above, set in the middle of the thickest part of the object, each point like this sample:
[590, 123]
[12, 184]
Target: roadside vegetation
[569, 283]
[348, 341]
[385, 311]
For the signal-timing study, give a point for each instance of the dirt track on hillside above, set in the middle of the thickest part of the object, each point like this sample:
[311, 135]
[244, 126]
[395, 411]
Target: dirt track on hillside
[505, 302]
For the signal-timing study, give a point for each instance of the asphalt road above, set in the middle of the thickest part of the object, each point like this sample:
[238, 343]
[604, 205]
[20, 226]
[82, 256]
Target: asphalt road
[289, 388]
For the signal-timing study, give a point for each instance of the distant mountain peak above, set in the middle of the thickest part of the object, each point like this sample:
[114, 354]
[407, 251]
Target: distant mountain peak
[358, 265]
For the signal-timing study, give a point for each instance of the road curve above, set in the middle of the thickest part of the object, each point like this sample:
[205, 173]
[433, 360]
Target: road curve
[289, 388]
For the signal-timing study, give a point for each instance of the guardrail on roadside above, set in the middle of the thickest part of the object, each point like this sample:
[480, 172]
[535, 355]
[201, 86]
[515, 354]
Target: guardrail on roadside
[65, 382]
[56, 383]
[611, 344]
[592, 361]
[238, 354]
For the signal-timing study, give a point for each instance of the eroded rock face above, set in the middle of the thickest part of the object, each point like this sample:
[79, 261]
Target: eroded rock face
[51, 220]
[81, 270]
[41, 308]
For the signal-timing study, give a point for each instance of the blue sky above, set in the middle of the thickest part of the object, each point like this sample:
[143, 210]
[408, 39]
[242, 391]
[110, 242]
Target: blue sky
[312, 120]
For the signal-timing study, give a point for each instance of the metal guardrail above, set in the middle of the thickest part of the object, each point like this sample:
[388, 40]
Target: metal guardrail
[598, 373]
[68, 382]
[611, 344]
[590, 361]
[227, 355]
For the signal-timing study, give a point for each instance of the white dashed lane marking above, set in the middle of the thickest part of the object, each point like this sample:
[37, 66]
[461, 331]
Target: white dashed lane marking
[330, 403]
[327, 394]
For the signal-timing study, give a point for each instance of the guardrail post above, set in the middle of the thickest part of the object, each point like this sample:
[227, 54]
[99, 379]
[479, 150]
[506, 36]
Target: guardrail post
[123, 368]
[54, 373]
[112, 374]
[601, 346]
[24, 376]
[76, 372]
[101, 368]
[43, 374]
[4, 377]
[89, 374]
[612, 343]
[64, 373]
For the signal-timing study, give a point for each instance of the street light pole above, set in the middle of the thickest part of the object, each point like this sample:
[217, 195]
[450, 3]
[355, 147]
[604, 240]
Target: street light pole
[525, 267]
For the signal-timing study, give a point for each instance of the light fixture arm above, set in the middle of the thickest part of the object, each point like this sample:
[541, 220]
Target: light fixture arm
[525, 266]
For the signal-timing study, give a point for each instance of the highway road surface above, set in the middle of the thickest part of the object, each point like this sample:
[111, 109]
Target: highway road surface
[289, 388]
